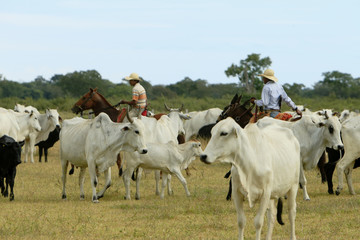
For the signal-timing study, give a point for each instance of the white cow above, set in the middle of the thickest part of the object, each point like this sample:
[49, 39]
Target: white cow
[264, 169]
[166, 129]
[18, 125]
[346, 114]
[351, 137]
[314, 133]
[200, 119]
[95, 143]
[169, 157]
[48, 122]
[21, 108]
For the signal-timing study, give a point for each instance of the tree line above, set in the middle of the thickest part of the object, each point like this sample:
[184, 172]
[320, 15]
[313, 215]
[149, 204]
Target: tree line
[73, 85]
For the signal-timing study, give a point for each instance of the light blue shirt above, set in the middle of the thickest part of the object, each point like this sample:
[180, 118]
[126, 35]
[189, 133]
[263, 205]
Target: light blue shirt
[270, 95]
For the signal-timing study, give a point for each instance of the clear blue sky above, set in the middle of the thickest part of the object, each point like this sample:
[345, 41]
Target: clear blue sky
[166, 41]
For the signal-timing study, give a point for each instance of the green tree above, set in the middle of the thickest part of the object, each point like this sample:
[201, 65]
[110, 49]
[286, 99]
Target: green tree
[337, 84]
[248, 70]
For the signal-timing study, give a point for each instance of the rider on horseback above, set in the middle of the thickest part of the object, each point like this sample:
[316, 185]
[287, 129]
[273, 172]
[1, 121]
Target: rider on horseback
[272, 95]
[139, 99]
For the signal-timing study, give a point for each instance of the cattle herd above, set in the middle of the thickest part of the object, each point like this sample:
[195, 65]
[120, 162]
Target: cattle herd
[268, 157]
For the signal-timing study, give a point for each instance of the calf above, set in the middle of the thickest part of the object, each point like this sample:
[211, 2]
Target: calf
[169, 157]
[10, 157]
[48, 143]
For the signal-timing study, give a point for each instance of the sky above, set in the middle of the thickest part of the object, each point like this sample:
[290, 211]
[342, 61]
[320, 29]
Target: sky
[166, 41]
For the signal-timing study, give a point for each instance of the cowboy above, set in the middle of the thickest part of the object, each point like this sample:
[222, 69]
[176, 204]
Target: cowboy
[272, 95]
[139, 99]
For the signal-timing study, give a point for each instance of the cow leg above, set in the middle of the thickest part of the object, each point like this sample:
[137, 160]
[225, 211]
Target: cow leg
[329, 170]
[126, 178]
[6, 192]
[344, 163]
[93, 179]
[271, 213]
[2, 186]
[291, 201]
[27, 143]
[348, 174]
[238, 199]
[170, 191]
[64, 165]
[107, 183]
[81, 182]
[321, 166]
[32, 147]
[163, 185]
[157, 180]
[40, 153]
[259, 218]
[181, 178]
[303, 183]
[138, 179]
[46, 154]
[11, 183]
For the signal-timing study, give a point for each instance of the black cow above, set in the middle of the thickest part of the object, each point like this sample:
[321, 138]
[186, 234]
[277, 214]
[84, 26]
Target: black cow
[329, 167]
[10, 157]
[48, 143]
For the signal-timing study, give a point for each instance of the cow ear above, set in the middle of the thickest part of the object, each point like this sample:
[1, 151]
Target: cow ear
[236, 132]
[126, 128]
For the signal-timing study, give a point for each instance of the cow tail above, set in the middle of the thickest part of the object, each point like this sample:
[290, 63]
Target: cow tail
[227, 175]
[279, 211]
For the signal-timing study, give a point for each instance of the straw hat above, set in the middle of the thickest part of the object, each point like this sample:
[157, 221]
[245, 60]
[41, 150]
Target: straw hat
[269, 74]
[133, 76]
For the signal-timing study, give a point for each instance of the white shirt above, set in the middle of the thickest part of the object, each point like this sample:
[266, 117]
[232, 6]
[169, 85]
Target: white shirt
[270, 95]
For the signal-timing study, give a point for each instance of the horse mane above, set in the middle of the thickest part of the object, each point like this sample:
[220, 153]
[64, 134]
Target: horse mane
[103, 98]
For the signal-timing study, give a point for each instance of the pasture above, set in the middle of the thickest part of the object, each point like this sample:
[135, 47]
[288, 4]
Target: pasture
[38, 212]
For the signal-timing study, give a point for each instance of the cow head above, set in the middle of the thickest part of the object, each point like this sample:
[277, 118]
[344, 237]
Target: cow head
[54, 118]
[11, 150]
[134, 133]
[222, 144]
[332, 127]
[34, 121]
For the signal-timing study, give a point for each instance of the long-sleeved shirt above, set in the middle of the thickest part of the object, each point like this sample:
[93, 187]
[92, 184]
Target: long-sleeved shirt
[270, 96]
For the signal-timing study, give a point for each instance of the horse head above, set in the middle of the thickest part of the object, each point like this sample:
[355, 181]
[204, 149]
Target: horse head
[86, 102]
[239, 112]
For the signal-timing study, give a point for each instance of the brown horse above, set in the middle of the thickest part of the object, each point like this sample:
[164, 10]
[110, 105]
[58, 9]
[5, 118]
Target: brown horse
[96, 102]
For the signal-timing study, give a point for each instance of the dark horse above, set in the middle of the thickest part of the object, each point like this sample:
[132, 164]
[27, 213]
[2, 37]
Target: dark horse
[239, 112]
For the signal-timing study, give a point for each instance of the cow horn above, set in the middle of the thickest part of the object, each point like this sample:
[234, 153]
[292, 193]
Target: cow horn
[128, 116]
[167, 108]
[181, 108]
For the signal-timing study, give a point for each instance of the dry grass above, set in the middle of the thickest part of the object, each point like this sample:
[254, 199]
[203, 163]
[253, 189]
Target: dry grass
[38, 211]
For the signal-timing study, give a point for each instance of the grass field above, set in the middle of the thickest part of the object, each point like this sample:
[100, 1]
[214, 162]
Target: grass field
[38, 212]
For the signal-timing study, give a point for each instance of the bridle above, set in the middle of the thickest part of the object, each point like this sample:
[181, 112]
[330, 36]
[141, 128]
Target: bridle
[83, 104]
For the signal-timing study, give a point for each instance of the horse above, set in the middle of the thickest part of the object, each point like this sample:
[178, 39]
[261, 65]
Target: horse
[239, 112]
[97, 103]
